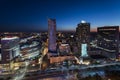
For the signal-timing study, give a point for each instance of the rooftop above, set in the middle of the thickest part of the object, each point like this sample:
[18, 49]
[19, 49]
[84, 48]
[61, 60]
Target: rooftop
[83, 21]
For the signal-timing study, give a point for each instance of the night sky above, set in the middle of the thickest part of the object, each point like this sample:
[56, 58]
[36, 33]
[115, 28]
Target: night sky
[32, 15]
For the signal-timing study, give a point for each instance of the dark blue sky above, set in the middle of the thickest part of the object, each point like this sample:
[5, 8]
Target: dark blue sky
[31, 15]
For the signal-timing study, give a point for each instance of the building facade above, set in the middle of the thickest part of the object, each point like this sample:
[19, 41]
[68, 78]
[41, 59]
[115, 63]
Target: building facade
[108, 40]
[10, 49]
[52, 36]
[83, 38]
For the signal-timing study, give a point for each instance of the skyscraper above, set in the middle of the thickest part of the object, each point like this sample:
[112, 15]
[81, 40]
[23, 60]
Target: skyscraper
[82, 38]
[52, 36]
[108, 40]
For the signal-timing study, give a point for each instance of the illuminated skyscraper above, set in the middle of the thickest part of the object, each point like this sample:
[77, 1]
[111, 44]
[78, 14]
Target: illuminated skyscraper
[82, 38]
[108, 40]
[52, 36]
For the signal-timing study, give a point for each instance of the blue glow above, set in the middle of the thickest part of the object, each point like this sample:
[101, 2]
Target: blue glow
[84, 50]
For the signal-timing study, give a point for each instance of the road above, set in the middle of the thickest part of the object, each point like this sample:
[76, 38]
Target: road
[80, 67]
[66, 75]
[21, 72]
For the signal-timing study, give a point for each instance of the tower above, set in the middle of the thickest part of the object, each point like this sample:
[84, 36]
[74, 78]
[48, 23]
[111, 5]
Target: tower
[52, 36]
[82, 38]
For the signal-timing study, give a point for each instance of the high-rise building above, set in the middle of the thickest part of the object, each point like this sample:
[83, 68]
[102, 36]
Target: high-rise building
[52, 36]
[9, 49]
[108, 39]
[82, 38]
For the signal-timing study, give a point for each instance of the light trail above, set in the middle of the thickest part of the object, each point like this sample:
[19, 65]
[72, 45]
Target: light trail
[19, 75]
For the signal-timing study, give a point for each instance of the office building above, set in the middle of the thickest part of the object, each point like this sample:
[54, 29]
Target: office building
[108, 39]
[83, 38]
[52, 36]
[9, 49]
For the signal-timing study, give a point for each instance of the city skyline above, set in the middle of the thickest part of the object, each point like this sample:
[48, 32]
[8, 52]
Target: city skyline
[32, 15]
